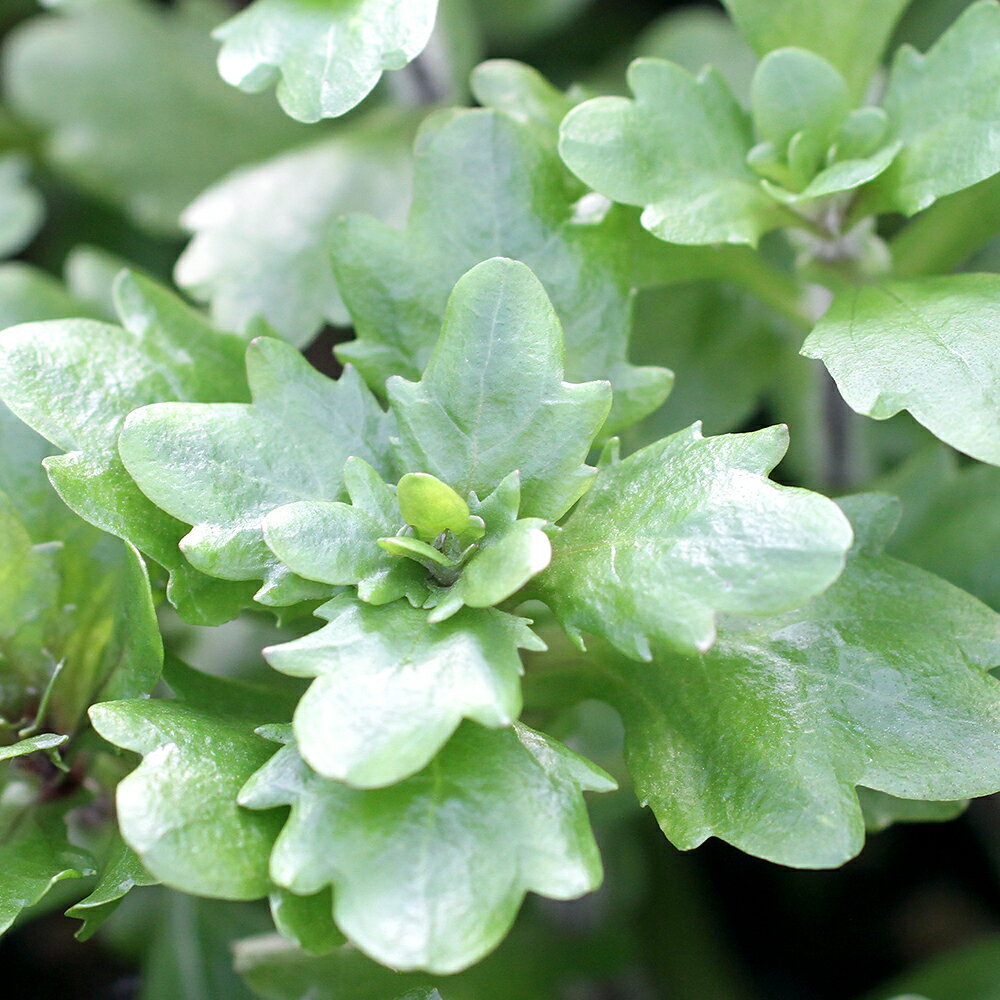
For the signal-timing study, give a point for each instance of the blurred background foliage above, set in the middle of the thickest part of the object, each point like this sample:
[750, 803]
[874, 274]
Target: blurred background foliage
[118, 124]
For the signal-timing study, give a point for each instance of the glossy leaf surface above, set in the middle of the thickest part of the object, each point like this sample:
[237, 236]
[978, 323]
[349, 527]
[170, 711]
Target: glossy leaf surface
[504, 814]
[684, 530]
[486, 186]
[928, 346]
[496, 375]
[325, 58]
[391, 688]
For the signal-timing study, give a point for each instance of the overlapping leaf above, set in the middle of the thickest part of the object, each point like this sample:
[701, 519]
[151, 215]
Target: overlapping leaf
[132, 106]
[75, 381]
[492, 400]
[177, 810]
[945, 109]
[851, 34]
[487, 185]
[678, 150]
[927, 346]
[391, 688]
[429, 873]
[883, 681]
[686, 529]
[263, 236]
[325, 58]
[223, 467]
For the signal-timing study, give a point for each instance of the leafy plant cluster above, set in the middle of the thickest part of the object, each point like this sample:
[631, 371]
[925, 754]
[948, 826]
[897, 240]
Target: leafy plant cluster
[497, 511]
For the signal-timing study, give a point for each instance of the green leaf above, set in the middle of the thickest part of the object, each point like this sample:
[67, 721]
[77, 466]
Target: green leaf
[430, 872]
[325, 58]
[496, 375]
[883, 681]
[517, 21]
[947, 117]
[120, 873]
[882, 811]
[948, 525]
[177, 810]
[339, 543]
[223, 467]
[696, 37]
[263, 235]
[821, 99]
[391, 689]
[89, 78]
[927, 346]
[430, 506]
[513, 552]
[35, 854]
[487, 185]
[686, 529]
[678, 150]
[75, 381]
[851, 34]
[306, 920]
[21, 208]
[44, 741]
[29, 592]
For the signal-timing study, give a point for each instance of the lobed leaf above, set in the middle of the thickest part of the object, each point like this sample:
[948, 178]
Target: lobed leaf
[429, 873]
[927, 345]
[75, 381]
[223, 467]
[485, 186]
[883, 681]
[686, 529]
[492, 400]
[678, 150]
[325, 58]
[390, 689]
[946, 115]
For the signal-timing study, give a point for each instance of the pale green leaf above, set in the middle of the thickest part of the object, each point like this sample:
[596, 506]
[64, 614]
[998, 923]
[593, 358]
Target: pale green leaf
[325, 58]
[487, 185]
[945, 109]
[120, 872]
[928, 346]
[696, 37]
[391, 689]
[883, 681]
[44, 741]
[684, 530]
[678, 150]
[882, 810]
[306, 920]
[75, 381]
[21, 207]
[177, 810]
[338, 543]
[131, 105]
[262, 237]
[223, 467]
[430, 872]
[821, 101]
[851, 34]
[496, 376]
